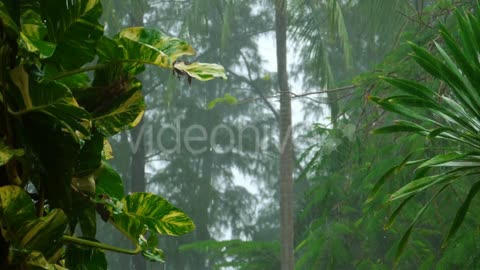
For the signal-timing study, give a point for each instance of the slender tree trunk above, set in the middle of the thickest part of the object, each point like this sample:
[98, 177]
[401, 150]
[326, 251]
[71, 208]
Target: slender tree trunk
[138, 180]
[286, 144]
[138, 161]
[138, 158]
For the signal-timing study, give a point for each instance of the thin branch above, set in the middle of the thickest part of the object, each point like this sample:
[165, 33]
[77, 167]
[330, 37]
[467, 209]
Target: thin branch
[294, 95]
[265, 100]
[75, 71]
[414, 20]
[261, 96]
[325, 91]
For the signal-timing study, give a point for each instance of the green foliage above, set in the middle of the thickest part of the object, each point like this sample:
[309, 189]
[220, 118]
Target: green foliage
[251, 255]
[56, 120]
[451, 115]
[346, 180]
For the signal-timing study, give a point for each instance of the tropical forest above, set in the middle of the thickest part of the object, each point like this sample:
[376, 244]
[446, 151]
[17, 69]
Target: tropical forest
[239, 134]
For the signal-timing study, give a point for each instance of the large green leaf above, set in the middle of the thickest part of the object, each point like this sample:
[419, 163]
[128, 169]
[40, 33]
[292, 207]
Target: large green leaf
[109, 182]
[90, 157]
[80, 258]
[32, 25]
[55, 155]
[88, 220]
[139, 214]
[45, 233]
[16, 210]
[169, 46]
[6, 153]
[138, 46]
[122, 113]
[23, 229]
[50, 98]
[33, 33]
[73, 25]
[43, 48]
[7, 20]
[201, 71]
[36, 261]
[145, 211]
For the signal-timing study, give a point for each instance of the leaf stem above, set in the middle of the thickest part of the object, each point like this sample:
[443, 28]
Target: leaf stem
[88, 243]
[89, 68]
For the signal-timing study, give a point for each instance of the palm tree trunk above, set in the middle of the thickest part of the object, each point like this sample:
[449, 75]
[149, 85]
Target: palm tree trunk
[286, 144]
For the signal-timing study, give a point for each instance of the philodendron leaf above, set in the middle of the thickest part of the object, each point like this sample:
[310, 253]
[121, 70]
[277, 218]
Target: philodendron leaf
[109, 182]
[6, 153]
[125, 112]
[16, 210]
[32, 25]
[169, 46]
[139, 46]
[107, 152]
[7, 20]
[33, 33]
[80, 257]
[146, 211]
[87, 219]
[50, 98]
[23, 229]
[90, 157]
[44, 234]
[201, 71]
[36, 261]
[43, 48]
[74, 27]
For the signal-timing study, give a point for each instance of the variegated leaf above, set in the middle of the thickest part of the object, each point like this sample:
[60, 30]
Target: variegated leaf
[142, 211]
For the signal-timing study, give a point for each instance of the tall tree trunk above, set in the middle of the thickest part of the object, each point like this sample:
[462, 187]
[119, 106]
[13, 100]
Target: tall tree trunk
[286, 144]
[138, 180]
[138, 161]
[138, 158]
